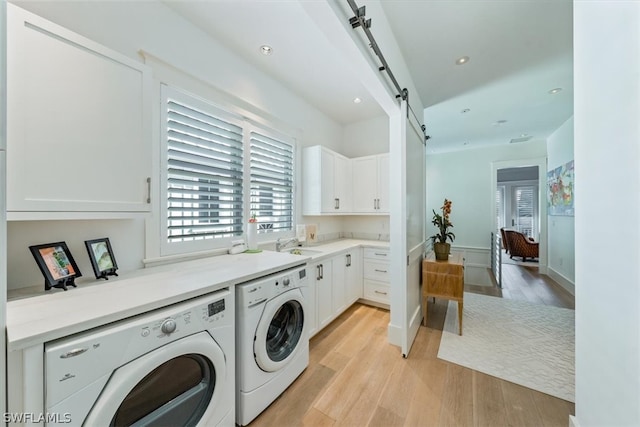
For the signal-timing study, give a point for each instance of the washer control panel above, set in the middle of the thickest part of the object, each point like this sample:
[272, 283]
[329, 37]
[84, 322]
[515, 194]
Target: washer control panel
[256, 292]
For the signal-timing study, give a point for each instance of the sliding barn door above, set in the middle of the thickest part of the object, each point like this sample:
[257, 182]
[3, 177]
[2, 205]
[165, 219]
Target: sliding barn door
[415, 228]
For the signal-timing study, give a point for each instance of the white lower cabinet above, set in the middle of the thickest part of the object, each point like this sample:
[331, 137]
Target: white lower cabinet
[323, 283]
[376, 275]
[354, 276]
[338, 284]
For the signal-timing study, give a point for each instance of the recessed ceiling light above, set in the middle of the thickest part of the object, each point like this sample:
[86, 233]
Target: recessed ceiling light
[554, 91]
[266, 49]
[522, 135]
[462, 60]
[357, 100]
[466, 110]
[499, 122]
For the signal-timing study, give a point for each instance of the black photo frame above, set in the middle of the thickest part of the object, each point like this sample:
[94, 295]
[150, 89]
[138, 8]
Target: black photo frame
[102, 259]
[56, 264]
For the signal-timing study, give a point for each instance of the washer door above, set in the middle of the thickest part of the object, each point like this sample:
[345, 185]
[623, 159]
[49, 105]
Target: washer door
[178, 384]
[281, 331]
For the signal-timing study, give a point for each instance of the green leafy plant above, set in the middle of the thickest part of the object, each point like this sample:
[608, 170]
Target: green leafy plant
[443, 224]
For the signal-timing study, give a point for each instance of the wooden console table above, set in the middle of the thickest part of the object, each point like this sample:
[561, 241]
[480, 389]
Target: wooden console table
[443, 279]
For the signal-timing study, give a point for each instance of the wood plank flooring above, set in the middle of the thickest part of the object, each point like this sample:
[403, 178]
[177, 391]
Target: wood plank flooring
[356, 378]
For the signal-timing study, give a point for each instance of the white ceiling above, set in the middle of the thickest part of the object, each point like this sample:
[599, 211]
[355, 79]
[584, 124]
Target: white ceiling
[518, 49]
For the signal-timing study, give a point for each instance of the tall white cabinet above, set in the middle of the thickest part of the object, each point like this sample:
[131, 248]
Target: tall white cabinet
[79, 134]
[326, 178]
[371, 184]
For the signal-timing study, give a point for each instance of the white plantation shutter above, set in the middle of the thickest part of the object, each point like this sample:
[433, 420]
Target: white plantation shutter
[271, 170]
[204, 171]
[525, 209]
[500, 205]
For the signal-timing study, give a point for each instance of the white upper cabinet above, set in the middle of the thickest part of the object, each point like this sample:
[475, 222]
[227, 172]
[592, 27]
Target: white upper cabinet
[78, 124]
[371, 184]
[326, 177]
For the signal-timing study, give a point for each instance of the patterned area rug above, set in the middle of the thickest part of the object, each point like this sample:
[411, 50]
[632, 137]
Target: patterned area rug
[524, 343]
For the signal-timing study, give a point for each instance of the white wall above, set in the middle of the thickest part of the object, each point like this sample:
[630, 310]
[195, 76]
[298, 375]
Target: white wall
[3, 229]
[607, 205]
[561, 254]
[464, 177]
[126, 237]
[366, 137]
[129, 27]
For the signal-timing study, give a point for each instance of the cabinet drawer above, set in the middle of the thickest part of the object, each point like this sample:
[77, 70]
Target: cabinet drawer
[376, 291]
[377, 254]
[376, 270]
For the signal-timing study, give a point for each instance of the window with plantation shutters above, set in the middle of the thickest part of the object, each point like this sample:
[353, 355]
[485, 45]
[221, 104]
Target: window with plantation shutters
[271, 170]
[525, 203]
[500, 205]
[204, 171]
[218, 170]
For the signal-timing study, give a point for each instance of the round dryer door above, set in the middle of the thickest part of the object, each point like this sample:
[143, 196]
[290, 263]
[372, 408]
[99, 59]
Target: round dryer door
[281, 331]
[177, 384]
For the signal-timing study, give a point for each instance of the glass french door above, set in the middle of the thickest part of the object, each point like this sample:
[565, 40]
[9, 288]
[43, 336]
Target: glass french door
[525, 210]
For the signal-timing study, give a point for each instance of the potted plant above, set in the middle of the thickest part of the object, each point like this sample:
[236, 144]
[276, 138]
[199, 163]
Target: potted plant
[440, 245]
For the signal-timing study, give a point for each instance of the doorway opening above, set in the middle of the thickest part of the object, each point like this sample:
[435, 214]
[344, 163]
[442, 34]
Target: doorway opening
[517, 201]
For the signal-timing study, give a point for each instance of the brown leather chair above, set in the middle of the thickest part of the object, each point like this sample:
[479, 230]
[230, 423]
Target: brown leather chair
[520, 245]
[505, 242]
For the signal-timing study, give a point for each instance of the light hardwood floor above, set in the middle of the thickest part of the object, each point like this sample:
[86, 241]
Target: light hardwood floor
[355, 378]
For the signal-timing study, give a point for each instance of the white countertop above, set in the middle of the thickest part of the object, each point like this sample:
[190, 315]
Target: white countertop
[43, 318]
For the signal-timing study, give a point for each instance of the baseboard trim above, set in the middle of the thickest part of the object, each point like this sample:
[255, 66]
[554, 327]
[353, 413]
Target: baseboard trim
[573, 421]
[394, 335]
[567, 284]
[414, 325]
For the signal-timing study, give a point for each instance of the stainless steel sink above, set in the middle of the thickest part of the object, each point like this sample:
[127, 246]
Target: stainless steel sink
[303, 251]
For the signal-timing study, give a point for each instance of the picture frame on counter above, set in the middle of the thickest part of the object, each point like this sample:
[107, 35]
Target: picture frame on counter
[102, 259]
[56, 264]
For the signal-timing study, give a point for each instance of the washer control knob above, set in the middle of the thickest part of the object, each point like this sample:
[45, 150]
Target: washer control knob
[168, 326]
[286, 281]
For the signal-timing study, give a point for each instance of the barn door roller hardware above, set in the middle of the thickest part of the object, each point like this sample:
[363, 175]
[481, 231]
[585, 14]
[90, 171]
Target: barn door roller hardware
[359, 21]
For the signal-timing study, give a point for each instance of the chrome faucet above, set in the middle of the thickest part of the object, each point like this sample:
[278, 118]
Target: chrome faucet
[281, 245]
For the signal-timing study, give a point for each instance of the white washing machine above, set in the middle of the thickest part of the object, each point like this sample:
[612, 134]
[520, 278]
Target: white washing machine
[272, 346]
[170, 367]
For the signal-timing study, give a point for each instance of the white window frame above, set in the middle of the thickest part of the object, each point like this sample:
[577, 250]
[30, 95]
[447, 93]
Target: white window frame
[534, 200]
[501, 207]
[185, 248]
[266, 233]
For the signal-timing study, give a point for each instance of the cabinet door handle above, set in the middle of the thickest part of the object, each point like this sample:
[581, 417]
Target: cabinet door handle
[318, 272]
[380, 292]
[321, 271]
[380, 254]
[148, 189]
[380, 271]
[348, 260]
[336, 203]
[377, 203]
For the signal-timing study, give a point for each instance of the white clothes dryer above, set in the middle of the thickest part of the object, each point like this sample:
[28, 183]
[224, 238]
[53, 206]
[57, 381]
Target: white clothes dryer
[272, 346]
[174, 366]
